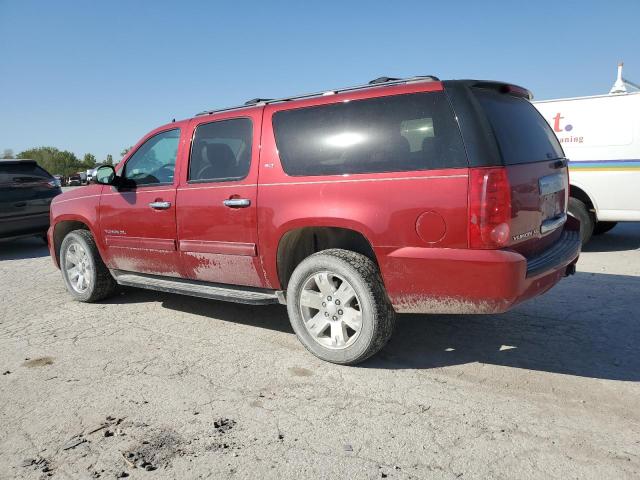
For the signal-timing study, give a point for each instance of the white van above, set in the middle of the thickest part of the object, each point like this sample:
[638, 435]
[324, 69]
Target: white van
[600, 136]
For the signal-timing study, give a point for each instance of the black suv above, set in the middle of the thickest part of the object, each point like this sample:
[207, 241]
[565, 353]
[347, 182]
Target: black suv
[26, 191]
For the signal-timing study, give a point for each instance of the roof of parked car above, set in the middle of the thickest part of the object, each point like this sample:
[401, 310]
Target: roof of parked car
[16, 160]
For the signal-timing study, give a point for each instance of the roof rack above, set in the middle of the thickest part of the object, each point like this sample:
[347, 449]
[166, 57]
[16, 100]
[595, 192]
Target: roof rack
[256, 101]
[378, 80]
[375, 82]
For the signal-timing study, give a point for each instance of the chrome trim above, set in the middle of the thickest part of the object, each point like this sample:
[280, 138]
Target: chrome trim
[551, 183]
[160, 205]
[553, 223]
[361, 180]
[237, 202]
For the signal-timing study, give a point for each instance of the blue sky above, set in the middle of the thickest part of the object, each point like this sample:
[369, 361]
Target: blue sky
[96, 76]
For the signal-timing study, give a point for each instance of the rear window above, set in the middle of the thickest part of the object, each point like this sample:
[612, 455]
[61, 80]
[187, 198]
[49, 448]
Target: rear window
[522, 133]
[23, 172]
[386, 134]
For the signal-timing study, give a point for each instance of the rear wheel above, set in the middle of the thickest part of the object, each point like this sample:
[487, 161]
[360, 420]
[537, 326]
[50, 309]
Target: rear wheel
[85, 275]
[338, 306]
[580, 211]
[603, 227]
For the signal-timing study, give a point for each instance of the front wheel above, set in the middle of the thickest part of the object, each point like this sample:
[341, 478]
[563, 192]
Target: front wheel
[85, 275]
[338, 306]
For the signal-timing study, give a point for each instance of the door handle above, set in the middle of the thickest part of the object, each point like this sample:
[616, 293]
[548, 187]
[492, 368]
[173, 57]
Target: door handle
[237, 202]
[160, 205]
[20, 204]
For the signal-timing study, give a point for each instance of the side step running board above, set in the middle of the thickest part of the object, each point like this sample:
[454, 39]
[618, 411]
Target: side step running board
[214, 291]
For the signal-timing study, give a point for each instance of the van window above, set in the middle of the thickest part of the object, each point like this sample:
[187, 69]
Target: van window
[221, 151]
[385, 134]
[523, 135]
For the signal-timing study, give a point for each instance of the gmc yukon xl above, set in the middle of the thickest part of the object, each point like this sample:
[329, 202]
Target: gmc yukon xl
[402, 195]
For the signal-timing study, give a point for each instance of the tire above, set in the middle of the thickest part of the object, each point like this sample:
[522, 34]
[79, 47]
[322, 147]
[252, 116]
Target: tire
[99, 282]
[603, 227]
[579, 210]
[366, 305]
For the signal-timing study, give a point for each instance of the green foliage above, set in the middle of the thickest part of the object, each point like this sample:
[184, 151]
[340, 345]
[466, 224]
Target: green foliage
[89, 160]
[109, 160]
[125, 151]
[54, 160]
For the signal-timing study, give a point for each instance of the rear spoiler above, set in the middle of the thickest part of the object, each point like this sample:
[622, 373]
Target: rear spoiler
[477, 133]
[500, 87]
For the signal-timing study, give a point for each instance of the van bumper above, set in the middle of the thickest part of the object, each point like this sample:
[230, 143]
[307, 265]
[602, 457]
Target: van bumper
[439, 280]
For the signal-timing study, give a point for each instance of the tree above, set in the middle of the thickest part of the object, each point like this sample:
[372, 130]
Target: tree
[7, 153]
[54, 160]
[89, 160]
[109, 160]
[125, 151]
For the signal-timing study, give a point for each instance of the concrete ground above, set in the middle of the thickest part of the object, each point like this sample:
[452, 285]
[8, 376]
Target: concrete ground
[149, 385]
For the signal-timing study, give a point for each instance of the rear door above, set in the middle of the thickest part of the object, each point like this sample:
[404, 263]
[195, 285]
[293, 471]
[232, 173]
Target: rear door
[536, 169]
[216, 216]
[138, 219]
[26, 191]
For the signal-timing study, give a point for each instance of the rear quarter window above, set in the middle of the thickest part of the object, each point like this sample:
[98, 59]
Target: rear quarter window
[522, 134]
[385, 134]
[20, 173]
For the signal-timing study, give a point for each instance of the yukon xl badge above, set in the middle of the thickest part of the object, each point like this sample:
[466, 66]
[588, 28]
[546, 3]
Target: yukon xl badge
[523, 235]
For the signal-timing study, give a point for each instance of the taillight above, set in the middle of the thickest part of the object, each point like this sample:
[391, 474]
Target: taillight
[489, 207]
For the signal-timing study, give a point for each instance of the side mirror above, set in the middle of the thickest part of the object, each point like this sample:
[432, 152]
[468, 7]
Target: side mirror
[106, 175]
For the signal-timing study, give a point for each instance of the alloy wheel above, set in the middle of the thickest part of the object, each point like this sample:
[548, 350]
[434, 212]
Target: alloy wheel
[78, 267]
[330, 310]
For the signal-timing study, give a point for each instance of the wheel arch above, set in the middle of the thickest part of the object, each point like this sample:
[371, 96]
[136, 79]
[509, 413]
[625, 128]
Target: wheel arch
[580, 193]
[65, 225]
[300, 242]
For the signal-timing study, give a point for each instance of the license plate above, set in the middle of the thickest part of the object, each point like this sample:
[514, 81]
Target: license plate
[552, 195]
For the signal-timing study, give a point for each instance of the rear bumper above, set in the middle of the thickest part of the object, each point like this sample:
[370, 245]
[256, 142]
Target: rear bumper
[432, 280]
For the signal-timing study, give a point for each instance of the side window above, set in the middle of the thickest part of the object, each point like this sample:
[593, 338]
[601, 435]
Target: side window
[155, 161]
[221, 151]
[22, 172]
[387, 134]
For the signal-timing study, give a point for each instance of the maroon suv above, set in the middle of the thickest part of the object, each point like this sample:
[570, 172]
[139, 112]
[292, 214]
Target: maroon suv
[402, 195]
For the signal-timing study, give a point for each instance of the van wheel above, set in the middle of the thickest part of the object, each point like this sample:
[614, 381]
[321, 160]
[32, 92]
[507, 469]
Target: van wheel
[579, 210]
[603, 227]
[338, 306]
[85, 275]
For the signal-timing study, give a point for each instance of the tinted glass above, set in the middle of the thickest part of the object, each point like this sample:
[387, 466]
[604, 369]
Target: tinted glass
[155, 161]
[387, 134]
[522, 133]
[21, 173]
[221, 151]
